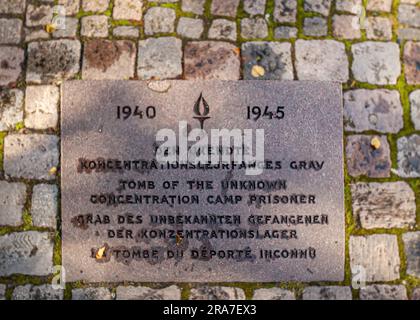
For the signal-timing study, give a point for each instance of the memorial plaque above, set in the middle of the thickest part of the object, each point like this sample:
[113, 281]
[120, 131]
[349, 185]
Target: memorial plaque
[267, 206]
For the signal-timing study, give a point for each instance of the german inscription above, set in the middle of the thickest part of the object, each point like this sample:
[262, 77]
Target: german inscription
[202, 181]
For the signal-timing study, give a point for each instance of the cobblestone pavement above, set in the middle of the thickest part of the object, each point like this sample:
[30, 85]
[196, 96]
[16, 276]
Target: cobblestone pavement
[371, 46]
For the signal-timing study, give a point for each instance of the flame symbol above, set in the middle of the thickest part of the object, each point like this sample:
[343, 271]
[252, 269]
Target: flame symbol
[201, 109]
[201, 102]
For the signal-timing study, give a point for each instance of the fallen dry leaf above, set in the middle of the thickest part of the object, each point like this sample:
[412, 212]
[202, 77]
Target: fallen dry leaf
[257, 71]
[100, 253]
[375, 143]
[50, 28]
[178, 239]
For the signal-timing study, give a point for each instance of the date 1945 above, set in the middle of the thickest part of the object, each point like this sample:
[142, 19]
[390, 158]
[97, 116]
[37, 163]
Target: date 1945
[258, 112]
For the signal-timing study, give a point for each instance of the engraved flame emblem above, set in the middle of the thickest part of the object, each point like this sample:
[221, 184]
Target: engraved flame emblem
[201, 109]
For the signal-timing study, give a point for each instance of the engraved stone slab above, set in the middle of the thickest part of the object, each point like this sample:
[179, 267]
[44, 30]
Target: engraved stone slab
[128, 217]
[28, 253]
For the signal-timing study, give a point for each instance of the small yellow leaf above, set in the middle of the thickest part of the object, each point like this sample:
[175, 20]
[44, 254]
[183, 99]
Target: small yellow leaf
[257, 71]
[50, 28]
[53, 171]
[178, 239]
[100, 253]
[375, 143]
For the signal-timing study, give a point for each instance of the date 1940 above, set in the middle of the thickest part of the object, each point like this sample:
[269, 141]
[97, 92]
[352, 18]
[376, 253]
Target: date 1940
[126, 112]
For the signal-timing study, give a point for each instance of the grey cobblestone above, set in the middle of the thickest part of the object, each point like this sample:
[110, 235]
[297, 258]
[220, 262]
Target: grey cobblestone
[379, 28]
[224, 57]
[106, 60]
[159, 20]
[37, 16]
[384, 205]
[415, 108]
[346, 27]
[44, 205]
[327, 293]
[41, 106]
[412, 252]
[95, 26]
[376, 62]
[378, 110]
[378, 256]
[71, 6]
[12, 7]
[285, 32]
[217, 293]
[274, 58]
[91, 294]
[285, 10]
[194, 6]
[383, 292]
[42, 292]
[191, 28]
[70, 30]
[224, 7]
[11, 59]
[128, 10]
[365, 160]
[126, 32]
[254, 7]
[12, 201]
[379, 5]
[10, 31]
[409, 156]
[30, 156]
[159, 58]
[351, 6]
[411, 62]
[273, 294]
[324, 60]
[35, 34]
[54, 60]
[222, 29]
[254, 28]
[409, 15]
[408, 34]
[28, 253]
[319, 6]
[11, 108]
[315, 27]
[144, 293]
[95, 6]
